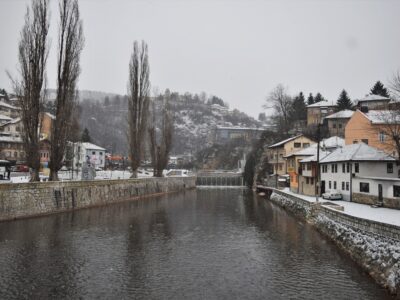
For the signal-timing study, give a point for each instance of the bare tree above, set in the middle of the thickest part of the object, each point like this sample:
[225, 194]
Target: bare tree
[70, 45]
[281, 102]
[394, 86]
[138, 103]
[161, 143]
[30, 87]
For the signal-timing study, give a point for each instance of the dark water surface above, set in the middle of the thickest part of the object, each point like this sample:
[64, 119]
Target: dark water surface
[204, 244]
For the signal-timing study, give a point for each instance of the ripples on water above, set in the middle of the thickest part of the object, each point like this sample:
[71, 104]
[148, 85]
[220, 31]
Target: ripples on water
[205, 244]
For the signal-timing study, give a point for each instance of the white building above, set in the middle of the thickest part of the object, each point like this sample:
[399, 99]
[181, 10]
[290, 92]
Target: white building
[361, 173]
[88, 152]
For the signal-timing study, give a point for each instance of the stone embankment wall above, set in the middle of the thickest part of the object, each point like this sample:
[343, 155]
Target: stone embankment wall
[373, 245]
[31, 199]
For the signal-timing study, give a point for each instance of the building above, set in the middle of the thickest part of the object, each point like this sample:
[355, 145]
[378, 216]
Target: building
[318, 111]
[46, 125]
[224, 134]
[88, 152]
[372, 102]
[277, 152]
[294, 159]
[9, 110]
[337, 122]
[371, 128]
[308, 175]
[11, 146]
[361, 173]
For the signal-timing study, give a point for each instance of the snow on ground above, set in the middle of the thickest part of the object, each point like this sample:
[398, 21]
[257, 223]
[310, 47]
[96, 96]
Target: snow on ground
[364, 211]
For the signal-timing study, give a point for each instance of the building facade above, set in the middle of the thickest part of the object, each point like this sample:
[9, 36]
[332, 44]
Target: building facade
[337, 122]
[318, 111]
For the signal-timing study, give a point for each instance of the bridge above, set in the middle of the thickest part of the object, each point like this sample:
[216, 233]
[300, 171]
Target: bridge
[219, 178]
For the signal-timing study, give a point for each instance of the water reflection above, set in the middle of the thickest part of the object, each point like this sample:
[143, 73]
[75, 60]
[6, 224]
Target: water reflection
[205, 244]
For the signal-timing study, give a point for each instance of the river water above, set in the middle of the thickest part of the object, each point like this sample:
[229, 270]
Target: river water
[204, 244]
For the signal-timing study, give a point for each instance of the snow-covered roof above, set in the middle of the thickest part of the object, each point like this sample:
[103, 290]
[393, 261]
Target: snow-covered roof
[285, 141]
[357, 152]
[343, 114]
[329, 143]
[332, 142]
[4, 117]
[383, 116]
[373, 97]
[51, 115]
[322, 154]
[322, 104]
[90, 146]
[4, 104]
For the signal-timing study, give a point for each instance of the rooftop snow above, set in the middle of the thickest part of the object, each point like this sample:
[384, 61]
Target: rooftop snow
[90, 146]
[332, 142]
[357, 152]
[322, 104]
[343, 114]
[383, 116]
[2, 103]
[372, 97]
[4, 117]
[322, 154]
[284, 141]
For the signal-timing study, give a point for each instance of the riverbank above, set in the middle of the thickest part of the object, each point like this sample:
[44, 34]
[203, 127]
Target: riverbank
[41, 198]
[374, 245]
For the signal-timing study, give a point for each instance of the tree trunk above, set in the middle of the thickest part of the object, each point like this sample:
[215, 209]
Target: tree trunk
[53, 175]
[134, 174]
[34, 175]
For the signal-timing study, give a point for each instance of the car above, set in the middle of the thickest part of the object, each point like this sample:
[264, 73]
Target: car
[332, 195]
[177, 172]
[21, 168]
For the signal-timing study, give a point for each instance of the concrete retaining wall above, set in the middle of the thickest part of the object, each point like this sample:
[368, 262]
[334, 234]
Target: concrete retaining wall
[31, 199]
[373, 245]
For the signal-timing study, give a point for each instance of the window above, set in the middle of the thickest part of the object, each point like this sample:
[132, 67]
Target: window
[389, 167]
[381, 137]
[334, 185]
[312, 180]
[307, 180]
[348, 167]
[333, 168]
[347, 186]
[340, 126]
[306, 145]
[93, 152]
[342, 185]
[101, 153]
[365, 141]
[334, 125]
[364, 187]
[297, 145]
[343, 168]
[330, 184]
[396, 191]
[281, 155]
[303, 167]
[308, 166]
[356, 167]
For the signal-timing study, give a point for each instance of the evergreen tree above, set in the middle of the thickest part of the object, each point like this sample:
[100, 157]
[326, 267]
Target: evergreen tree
[310, 99]
[85, 138]
[344, 101]
[318, 98]
[379, 89]
[299, 109]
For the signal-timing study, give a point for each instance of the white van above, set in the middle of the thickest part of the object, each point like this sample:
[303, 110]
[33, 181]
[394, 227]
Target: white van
[177, 172]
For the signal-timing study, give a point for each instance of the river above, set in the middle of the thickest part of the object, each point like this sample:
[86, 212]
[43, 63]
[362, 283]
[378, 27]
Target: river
[204, 244]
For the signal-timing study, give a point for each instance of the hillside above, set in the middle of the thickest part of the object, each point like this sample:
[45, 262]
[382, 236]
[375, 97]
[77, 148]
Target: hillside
[195, 119]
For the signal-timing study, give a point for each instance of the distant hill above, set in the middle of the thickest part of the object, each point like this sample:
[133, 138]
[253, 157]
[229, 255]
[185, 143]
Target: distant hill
[105, 116]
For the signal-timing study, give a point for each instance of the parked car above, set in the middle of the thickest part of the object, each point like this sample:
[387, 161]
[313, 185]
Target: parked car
[332, 195]
[177, 172]
[20, 168]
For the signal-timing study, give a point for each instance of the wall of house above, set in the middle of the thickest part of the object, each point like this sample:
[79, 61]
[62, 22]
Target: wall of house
[275, 158]
[306, 188]
[360, 127]
[338, 177]
[337, 127]
[97, 157]
[30, 199]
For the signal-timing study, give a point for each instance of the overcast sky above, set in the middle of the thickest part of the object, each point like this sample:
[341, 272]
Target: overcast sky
[236, 50]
